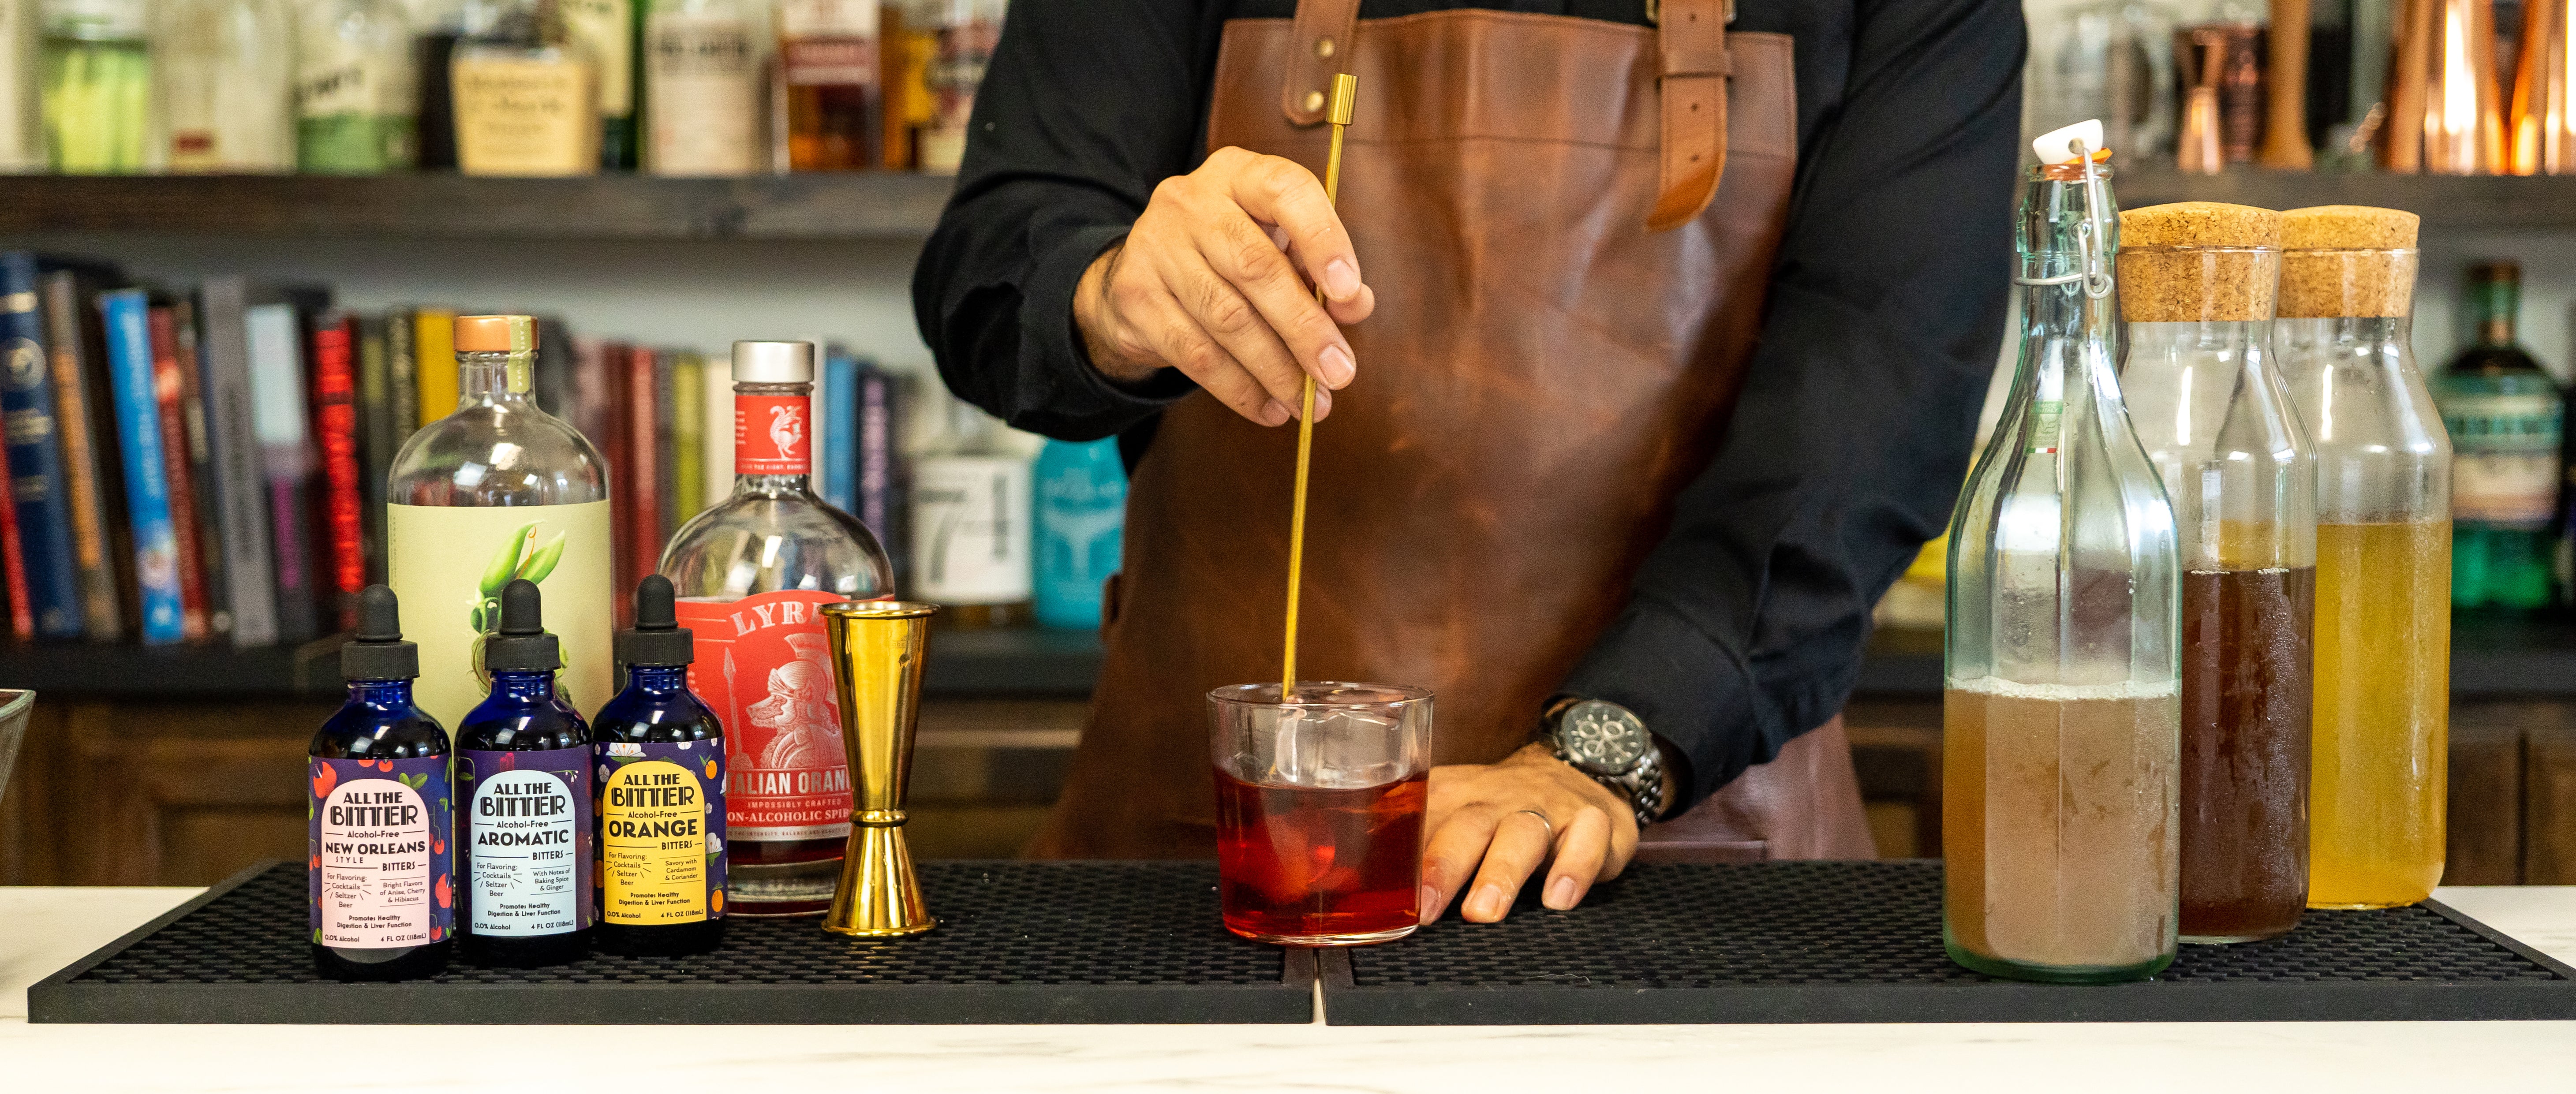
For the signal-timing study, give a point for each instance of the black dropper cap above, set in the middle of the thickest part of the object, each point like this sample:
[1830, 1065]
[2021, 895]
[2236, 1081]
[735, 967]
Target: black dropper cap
[523, 644]
[658, 638]
[378, 652]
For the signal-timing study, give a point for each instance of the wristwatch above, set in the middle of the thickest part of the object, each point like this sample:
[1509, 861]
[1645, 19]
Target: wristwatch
[1610, 743]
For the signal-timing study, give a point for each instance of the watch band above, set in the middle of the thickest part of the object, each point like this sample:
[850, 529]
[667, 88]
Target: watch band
[1641, 783]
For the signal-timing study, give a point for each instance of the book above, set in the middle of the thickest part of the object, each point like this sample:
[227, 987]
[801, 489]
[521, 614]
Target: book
[717, 443]
[402, 375]
[205, 502]
[819, 422]
[433, 347]
[22, 146]
[38, 485]
[85, 419]
[836, 408]
[342, 523]
[878, 491]
[688, 438]
[125, 313]
[240, 493]
[666, 450]
[378, 440]
[170, 418]
[591, 388]
[640, 529]
[281, 419]
[550, 378]
[616, 445]
[13, 572]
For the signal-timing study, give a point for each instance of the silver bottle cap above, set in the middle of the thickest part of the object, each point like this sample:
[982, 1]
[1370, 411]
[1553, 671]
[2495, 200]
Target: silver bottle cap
[773, 362]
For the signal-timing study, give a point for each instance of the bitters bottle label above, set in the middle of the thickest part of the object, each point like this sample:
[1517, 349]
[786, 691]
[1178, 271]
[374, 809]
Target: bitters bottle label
[662, 832]
[379, 861]
[525, 838]
[764, 666]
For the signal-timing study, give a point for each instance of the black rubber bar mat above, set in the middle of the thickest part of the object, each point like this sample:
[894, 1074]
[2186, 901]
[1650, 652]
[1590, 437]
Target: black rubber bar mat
[1861, 942]
[1016, 942]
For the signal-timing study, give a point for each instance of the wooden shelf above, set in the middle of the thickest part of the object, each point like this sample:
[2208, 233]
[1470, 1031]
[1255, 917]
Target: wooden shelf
[859, 205]
[2444, 201]
[2491, 657]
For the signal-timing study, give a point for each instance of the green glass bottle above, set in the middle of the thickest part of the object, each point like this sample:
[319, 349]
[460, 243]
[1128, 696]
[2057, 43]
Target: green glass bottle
[2505, 416]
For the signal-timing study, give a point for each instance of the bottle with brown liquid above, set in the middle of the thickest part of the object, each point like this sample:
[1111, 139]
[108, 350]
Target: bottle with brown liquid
[828, 73]
[2197, 284]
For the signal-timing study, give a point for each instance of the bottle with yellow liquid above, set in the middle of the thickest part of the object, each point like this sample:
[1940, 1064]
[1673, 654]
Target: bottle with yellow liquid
[2383, 630]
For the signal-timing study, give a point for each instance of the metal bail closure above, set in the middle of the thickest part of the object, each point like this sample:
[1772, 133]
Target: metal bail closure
[2094, 264]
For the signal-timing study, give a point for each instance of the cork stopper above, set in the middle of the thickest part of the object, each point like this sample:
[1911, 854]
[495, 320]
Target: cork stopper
[2199, 262]
[2347, 261]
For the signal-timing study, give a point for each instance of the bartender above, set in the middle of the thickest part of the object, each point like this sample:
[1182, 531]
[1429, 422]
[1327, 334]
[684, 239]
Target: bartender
[1651, 348]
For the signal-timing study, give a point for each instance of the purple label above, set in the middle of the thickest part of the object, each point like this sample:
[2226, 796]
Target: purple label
[523, 841]
[661, 832]
[379, 866]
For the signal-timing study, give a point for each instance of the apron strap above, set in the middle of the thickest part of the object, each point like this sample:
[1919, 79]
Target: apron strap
[1322, 50]
[1692, 34]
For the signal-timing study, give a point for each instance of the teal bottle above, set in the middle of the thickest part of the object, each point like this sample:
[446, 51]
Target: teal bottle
[2505, 416]
[1081, 496]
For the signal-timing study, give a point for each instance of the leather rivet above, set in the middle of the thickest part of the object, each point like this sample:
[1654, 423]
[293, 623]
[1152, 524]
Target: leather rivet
[1314, 100]
[1323, 47]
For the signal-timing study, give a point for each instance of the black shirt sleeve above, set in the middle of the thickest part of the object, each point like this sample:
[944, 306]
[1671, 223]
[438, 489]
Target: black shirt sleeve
[1852, 435]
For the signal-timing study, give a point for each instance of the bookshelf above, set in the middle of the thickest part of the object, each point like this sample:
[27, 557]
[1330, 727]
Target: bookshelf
[889, 205]
[2492, 657]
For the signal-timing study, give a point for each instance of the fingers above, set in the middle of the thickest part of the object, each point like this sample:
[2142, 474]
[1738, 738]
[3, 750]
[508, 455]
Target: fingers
[1257, 304]
[1521, 842]
[1457, 844]
[1579, 859]
[1280, 192]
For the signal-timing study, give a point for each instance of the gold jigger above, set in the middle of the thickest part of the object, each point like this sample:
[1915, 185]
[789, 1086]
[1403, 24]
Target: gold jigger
[877, 650]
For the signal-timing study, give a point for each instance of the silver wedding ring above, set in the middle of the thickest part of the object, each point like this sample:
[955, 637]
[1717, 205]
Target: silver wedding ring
[1542, 819]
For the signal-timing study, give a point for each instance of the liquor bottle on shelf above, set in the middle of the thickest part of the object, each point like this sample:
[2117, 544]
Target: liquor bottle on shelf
[2383, 631]
[967, 31]
[383, 896]
[2061, 717]
[21, 122]
[500, 490]
[526, 93]
[607, 30]
[2209, 404]
[97, 86]
[703, 81]
[2505, 417]
[2111, 59]
[970, 525]
[523, 831]
[438, 25]
[1081, 513]
[827, 69]
[661, 760]
[355, 88]
[751, 573]
[227, 70]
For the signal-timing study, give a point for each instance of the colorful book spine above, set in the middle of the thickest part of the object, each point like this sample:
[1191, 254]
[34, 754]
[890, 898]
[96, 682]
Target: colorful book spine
[643, 523]
[666, 449]
[689, 437]
[85, 418]
[38, 484]
[838, 403]
[433, 347]
[207, 500]
[241, 490]
[147, 486]
[617, 447]
[335, 424]
[378, 440]
[551, 374]
[716, 429]
[878, 494]
[13, 572]
[281, 419]
[402, 368]
[170, 413]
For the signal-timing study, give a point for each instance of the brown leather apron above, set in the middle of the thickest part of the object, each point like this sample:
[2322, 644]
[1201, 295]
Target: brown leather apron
[1544, 372]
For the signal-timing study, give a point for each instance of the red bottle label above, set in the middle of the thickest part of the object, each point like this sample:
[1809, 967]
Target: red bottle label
[773, 435]
[764, 666]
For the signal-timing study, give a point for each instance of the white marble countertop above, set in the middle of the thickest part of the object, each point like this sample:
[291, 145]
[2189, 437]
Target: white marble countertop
[42, 930]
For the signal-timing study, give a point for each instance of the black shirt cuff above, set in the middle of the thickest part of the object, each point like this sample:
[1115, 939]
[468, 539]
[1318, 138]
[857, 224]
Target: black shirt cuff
[1084, 391]
[1686, 688]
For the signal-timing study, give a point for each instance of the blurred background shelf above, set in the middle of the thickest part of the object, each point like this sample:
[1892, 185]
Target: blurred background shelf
[2532, 203]
[856, 205]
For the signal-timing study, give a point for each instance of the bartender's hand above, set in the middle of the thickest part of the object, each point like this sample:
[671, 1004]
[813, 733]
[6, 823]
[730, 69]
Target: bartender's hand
[1477, 816]
[1207, 282]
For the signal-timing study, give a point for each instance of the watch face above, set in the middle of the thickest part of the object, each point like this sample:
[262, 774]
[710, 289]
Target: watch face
[1603, 738]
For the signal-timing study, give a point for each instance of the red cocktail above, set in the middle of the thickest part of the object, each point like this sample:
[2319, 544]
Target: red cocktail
[1319, 810]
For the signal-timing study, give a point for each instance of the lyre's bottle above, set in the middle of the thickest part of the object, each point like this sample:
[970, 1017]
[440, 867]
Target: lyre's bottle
[2196, 286]
[661, 794]
[751, 572]
[383, 898]
[2383, 653]
[499, 490]
[523, 826]
[2060, 714]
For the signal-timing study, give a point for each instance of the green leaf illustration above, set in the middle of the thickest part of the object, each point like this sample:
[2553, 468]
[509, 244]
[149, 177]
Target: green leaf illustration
[477, 618]
[543, 561]
[505, 562]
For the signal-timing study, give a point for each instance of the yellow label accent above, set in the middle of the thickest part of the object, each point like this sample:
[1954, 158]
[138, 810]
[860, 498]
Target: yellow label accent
[441, 557]
[653, 845]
